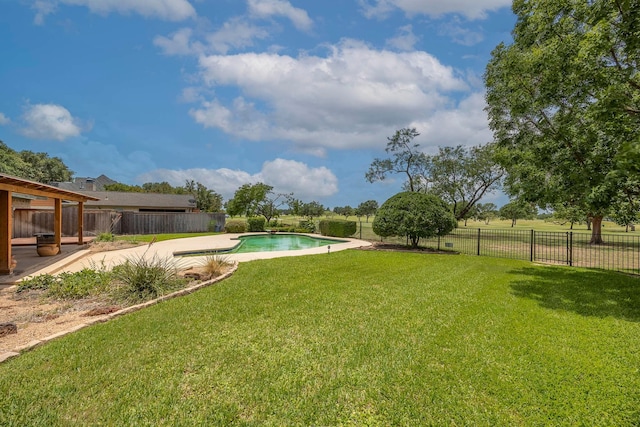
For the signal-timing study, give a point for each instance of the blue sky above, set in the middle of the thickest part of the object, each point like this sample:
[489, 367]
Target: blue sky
[299, 94]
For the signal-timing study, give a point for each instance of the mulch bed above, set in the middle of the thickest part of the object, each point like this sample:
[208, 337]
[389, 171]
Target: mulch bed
[394, 247]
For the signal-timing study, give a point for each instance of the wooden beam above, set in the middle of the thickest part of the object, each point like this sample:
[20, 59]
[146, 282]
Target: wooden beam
[57, 223]
[6, 229]
[43, 193]
[80, 222]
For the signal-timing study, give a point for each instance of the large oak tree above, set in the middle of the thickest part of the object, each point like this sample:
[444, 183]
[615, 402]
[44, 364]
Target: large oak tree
[564, 103]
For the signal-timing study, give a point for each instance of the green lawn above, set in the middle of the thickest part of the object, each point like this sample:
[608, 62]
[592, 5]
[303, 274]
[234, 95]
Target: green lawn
[352, 338]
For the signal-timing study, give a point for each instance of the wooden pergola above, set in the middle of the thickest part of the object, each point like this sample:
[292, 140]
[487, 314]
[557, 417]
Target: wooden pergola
[11, 184]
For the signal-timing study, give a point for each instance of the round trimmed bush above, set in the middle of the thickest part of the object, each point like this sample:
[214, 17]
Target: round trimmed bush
[414, 215]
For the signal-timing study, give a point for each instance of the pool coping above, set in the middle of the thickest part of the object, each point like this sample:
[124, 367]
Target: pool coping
[165, 250]
[228, 250]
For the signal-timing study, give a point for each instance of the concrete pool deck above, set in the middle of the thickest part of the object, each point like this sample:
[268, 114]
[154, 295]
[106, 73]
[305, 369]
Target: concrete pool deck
[166, 249]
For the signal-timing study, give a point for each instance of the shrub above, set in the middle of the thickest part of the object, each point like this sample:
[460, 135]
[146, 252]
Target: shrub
[214, 265]
[105, 237]
[235, 226]
[76, 285]
[255, 224]
[337, 227]
[146, 278]
[42, 281]
[414, 215]
[80, 284]
[306, 226]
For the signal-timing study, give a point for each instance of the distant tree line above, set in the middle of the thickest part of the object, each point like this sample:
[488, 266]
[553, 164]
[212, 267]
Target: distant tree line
[207, 200]
[33, 166]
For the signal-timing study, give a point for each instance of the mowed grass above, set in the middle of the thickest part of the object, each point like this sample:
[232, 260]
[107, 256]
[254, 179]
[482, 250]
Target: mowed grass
[352, 338]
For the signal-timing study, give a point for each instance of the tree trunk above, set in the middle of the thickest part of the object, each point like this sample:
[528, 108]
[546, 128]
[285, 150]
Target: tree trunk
[596, 231]
[589, 224]
[513, 222]
[414, 241]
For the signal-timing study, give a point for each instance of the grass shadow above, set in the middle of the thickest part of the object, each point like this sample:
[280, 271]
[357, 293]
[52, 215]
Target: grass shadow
[586, 292]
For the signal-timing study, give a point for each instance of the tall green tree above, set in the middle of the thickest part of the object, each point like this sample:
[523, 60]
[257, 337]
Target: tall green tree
[569, 213]
[33, 166]
[124, 188]
[460, 176]
[517, 209]
[347, 211]
[271, 206]
[486, 212]
[564, 103]
[368, 208]
[246, 199]
[625, 212]
[207, 200]
[312, 209]
[406, 159]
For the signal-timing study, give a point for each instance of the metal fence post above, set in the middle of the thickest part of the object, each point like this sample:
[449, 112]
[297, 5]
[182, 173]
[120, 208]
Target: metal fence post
[532, 243]
[478, 242]
[571, 248]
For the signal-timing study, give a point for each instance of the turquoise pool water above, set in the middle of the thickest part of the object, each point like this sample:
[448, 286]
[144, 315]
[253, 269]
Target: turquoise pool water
[268, 243]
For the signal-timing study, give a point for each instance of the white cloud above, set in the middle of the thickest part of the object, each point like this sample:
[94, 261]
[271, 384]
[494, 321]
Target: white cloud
[42, 8]
[235, 33]
[460, 34]
[290, 176]
[345, 100]
[49, 121]
[4, 120]
[170, 10]
[179, 43]
[466, 124]
[405, 40]
[472, 9]
[268, 8]
[285, 176]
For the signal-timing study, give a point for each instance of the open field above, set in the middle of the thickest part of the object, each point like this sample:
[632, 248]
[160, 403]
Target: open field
[352, 338]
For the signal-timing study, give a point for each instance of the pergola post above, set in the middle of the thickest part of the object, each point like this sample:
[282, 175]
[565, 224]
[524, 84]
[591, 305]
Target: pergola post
[80, 222]
[10, 186]
[57, 223]
[6, 230]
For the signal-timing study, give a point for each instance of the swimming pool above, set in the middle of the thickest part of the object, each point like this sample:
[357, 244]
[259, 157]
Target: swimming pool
[268, 243]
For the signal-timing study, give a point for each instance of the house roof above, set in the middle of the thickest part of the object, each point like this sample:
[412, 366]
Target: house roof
[24, 186]
[84, 184]
[140, 200]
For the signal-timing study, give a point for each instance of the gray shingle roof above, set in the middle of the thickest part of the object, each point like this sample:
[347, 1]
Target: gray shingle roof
[140, 200]
[86, 184]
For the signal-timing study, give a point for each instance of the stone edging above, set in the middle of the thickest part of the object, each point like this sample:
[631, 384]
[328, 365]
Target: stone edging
[104, 318]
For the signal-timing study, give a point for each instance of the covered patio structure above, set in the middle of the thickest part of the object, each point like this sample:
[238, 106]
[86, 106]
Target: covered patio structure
[10, 185]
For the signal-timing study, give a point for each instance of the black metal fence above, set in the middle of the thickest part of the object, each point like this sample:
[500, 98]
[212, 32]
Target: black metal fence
[619, 252]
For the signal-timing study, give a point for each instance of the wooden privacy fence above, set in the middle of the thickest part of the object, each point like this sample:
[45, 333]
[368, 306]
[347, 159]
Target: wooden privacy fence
[170, 222]
[27, 222]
